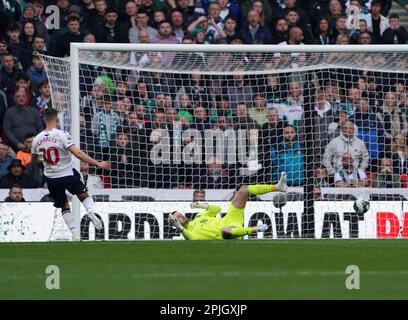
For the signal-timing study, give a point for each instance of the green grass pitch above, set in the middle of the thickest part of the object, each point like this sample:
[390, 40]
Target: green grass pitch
[256, 269]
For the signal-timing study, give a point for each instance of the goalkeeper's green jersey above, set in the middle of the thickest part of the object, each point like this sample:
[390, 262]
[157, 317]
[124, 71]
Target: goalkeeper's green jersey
[206, 226]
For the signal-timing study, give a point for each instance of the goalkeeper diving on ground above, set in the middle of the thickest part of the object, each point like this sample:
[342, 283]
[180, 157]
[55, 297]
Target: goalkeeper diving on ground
[206, 226]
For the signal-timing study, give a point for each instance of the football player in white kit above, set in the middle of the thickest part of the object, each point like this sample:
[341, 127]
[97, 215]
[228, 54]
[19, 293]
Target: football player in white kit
[55, 149]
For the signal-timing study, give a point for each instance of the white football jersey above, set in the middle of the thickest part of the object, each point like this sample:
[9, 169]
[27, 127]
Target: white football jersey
[52, 149]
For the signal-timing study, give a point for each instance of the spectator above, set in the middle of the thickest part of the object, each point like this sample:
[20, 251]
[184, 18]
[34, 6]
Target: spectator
[199, 195]
[216, 24]
[334, 129]
[271, 135]
[386, 178]
[258, 7]
[346, 142]
[317, 194]
[185, 107]
[5, 159]
[320, 177]
[35, 172]
[374, 94]
[21, 120]
[349, 176]
[15, 45]
[231, 9]
[293, 112]
[356, 33]
[142, 23]
[63, 6]
[24, 155]
[196, 88]
[272, 130]
[16, 175]
[15, 194]
[342, 39]
[122, 108]
[239, 91]
[242, 119]
[73, 12]
[322, 116]
[105, 122]
[289, 157]
[207, 26]
[39, 45]
[37, 72]
[92, 181]
[123, 159]
[158, 17]
[43, 100]
[362, 11]
[369, 130]
[258, 113]
[391, 118]
[247, 7]
[200, 122]
[365, 38]
[165, 34]
[8, 76]
[23, 82]
[230, 27]
[223, 109]
[395, 34]
[29, 16]
[324, 33]
[97, 18]
[131, 9]
[377, 21]
[88, 9]
[352, 98]
[254, 31]
[281, 34]
[341, 26]
[177, 22]
[335, 11]
[11, 10]
[73, 35]
[399, 154]
[111, 30]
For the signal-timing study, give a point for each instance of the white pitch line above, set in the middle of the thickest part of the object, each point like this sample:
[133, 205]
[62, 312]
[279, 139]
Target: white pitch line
[226, 274]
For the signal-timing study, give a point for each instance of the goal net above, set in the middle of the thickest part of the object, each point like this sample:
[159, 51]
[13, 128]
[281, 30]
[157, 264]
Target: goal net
[178, 122]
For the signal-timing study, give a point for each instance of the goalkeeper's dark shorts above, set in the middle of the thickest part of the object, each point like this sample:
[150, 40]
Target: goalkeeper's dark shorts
[58, 187]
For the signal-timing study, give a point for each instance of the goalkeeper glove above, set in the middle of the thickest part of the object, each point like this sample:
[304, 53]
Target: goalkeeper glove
[261, 228]
[173, 222]
[197, 205]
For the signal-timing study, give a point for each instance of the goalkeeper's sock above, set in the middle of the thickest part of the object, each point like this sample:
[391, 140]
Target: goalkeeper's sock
[258, 189]
[240, 232]
[89, 205]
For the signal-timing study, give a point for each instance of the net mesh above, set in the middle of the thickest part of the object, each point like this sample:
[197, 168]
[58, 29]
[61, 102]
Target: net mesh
[177, 121]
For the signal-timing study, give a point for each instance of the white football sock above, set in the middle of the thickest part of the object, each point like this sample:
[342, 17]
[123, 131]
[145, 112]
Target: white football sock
[69, 219]
[89, 205]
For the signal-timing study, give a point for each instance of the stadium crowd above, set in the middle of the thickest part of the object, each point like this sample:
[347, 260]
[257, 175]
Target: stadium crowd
[360, 118]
